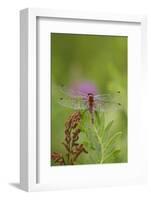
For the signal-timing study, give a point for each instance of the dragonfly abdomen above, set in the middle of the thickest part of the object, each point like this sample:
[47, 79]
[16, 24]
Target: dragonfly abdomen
[91, 105]
[91, 102]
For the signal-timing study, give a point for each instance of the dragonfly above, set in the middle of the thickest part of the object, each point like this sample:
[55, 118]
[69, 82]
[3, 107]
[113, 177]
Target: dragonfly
[89, 101]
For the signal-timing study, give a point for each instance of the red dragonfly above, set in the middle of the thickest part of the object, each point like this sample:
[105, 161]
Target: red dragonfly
[78, 100]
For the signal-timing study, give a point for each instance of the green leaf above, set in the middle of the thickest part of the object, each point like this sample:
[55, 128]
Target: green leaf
[111, 140]
[92, 147]
[97, 118]
[116, 151]
[102, 124]
[107, 130]
[98, 138]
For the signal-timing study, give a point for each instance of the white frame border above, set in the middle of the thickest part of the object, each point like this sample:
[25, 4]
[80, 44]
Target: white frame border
[28, 82]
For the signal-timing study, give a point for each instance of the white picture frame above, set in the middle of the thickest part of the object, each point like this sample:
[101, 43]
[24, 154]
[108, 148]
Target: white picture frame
[29, 148]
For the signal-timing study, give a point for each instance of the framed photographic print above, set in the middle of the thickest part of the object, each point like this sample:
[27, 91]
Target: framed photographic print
[82, 84]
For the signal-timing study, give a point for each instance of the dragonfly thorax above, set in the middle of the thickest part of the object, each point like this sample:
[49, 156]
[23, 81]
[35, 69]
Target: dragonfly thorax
[90, 97]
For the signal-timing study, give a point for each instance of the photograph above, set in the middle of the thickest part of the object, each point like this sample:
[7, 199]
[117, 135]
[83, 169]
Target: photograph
[89, 92]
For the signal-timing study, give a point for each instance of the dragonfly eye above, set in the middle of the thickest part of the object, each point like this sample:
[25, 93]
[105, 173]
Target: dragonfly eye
[61, 98]
[119, 104]
[119, 92]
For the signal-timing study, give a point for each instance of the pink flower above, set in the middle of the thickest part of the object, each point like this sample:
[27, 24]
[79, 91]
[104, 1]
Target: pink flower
[84, 88]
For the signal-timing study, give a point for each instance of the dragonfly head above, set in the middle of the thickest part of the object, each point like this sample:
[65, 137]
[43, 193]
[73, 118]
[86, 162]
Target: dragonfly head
[90, 94]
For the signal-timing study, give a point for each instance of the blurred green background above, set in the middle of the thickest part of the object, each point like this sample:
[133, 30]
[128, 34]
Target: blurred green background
[97, 58]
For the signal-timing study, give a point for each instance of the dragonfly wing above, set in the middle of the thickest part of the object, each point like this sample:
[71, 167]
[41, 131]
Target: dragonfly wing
[108, 102]
[112, 97]
[70, 92]
[74, 103]
[105, 106]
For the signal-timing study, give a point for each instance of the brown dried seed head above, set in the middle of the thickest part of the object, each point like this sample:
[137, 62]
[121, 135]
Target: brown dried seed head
[73, 120]
[58, 158]
[67, 132]
[85, 151]
[66, 146]
[75, 138]
[74, 125]
[68, 139]
[77, 131]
